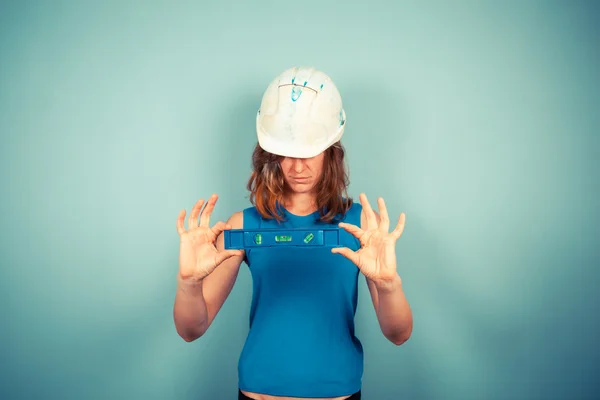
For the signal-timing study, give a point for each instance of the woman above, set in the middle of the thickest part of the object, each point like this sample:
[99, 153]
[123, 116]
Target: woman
[301, 342]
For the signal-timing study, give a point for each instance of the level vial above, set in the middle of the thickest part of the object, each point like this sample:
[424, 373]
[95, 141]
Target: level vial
[283, 238]
[308, 238]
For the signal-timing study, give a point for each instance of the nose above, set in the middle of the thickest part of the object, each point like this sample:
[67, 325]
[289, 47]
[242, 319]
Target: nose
[297, 165]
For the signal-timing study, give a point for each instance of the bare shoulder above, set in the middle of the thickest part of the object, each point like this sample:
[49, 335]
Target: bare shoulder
[236, 220]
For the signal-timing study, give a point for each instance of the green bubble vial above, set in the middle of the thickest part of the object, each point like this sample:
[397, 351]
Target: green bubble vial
[308, 238]
[258, 238]
[283, 238]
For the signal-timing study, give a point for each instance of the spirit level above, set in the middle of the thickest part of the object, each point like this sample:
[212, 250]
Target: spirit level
[249, 238]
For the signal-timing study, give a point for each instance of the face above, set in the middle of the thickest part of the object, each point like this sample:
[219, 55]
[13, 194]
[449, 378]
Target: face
[302, 174]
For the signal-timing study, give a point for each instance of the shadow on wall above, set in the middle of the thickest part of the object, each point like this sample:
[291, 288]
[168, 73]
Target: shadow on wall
[451, 336]
[240, 136]
[468, 339]
[378, 127]
[219, 349]
[406, 371]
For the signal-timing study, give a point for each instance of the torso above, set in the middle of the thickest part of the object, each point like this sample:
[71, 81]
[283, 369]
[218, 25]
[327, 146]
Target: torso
[258, 396]
[287, 351]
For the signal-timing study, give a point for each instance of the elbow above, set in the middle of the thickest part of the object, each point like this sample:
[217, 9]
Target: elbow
[189, 336]
[188, 333]
[186, 329]
[400, 338]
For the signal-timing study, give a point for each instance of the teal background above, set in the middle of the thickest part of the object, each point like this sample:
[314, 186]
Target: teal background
[477, 119]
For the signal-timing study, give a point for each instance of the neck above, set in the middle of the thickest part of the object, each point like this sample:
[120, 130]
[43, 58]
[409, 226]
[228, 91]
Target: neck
[300, 203]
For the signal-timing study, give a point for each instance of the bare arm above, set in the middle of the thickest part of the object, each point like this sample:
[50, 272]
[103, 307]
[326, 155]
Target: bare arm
[198, 302]
[393, 312]
[391, 306]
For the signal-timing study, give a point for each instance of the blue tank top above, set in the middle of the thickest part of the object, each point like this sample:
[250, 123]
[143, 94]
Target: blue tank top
[301, 341]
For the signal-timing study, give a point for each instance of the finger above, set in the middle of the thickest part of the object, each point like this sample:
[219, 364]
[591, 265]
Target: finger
[349, 254]
[384, 218]
[371, 218]
[352, 229]
[210, 206]
[400, 227]
[180, 222]
[193, 221]
[220, 227]
[227, 254]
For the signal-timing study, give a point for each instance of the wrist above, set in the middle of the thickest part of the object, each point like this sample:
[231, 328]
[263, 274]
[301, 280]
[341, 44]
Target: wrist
[189, 285]
[389, 285]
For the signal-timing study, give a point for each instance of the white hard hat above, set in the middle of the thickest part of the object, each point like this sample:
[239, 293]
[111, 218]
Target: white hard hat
[301, 114]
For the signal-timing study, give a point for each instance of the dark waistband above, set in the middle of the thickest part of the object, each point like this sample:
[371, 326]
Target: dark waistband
[242, 396]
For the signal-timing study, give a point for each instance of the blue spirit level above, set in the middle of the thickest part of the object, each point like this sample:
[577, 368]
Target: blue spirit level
[249, 238]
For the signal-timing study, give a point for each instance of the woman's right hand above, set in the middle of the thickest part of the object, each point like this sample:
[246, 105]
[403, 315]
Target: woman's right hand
[198, 255]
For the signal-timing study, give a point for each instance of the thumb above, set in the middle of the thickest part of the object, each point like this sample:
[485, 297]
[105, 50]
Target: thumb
[227, 254]
[349, 254]
[219, 228]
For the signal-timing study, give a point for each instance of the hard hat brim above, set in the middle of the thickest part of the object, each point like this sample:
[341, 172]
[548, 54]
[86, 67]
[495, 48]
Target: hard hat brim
[298, 150]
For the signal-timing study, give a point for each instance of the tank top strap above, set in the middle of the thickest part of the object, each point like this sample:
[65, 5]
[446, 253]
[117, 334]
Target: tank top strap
[252, 218]
[353, 214]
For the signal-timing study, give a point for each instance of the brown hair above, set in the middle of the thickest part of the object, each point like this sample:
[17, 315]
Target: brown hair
[267, 184]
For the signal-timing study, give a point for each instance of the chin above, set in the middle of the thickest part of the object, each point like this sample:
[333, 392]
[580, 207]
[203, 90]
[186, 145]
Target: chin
[301, 187]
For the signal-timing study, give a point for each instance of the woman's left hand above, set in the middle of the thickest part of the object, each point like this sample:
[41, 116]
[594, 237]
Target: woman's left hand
[376, 257]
